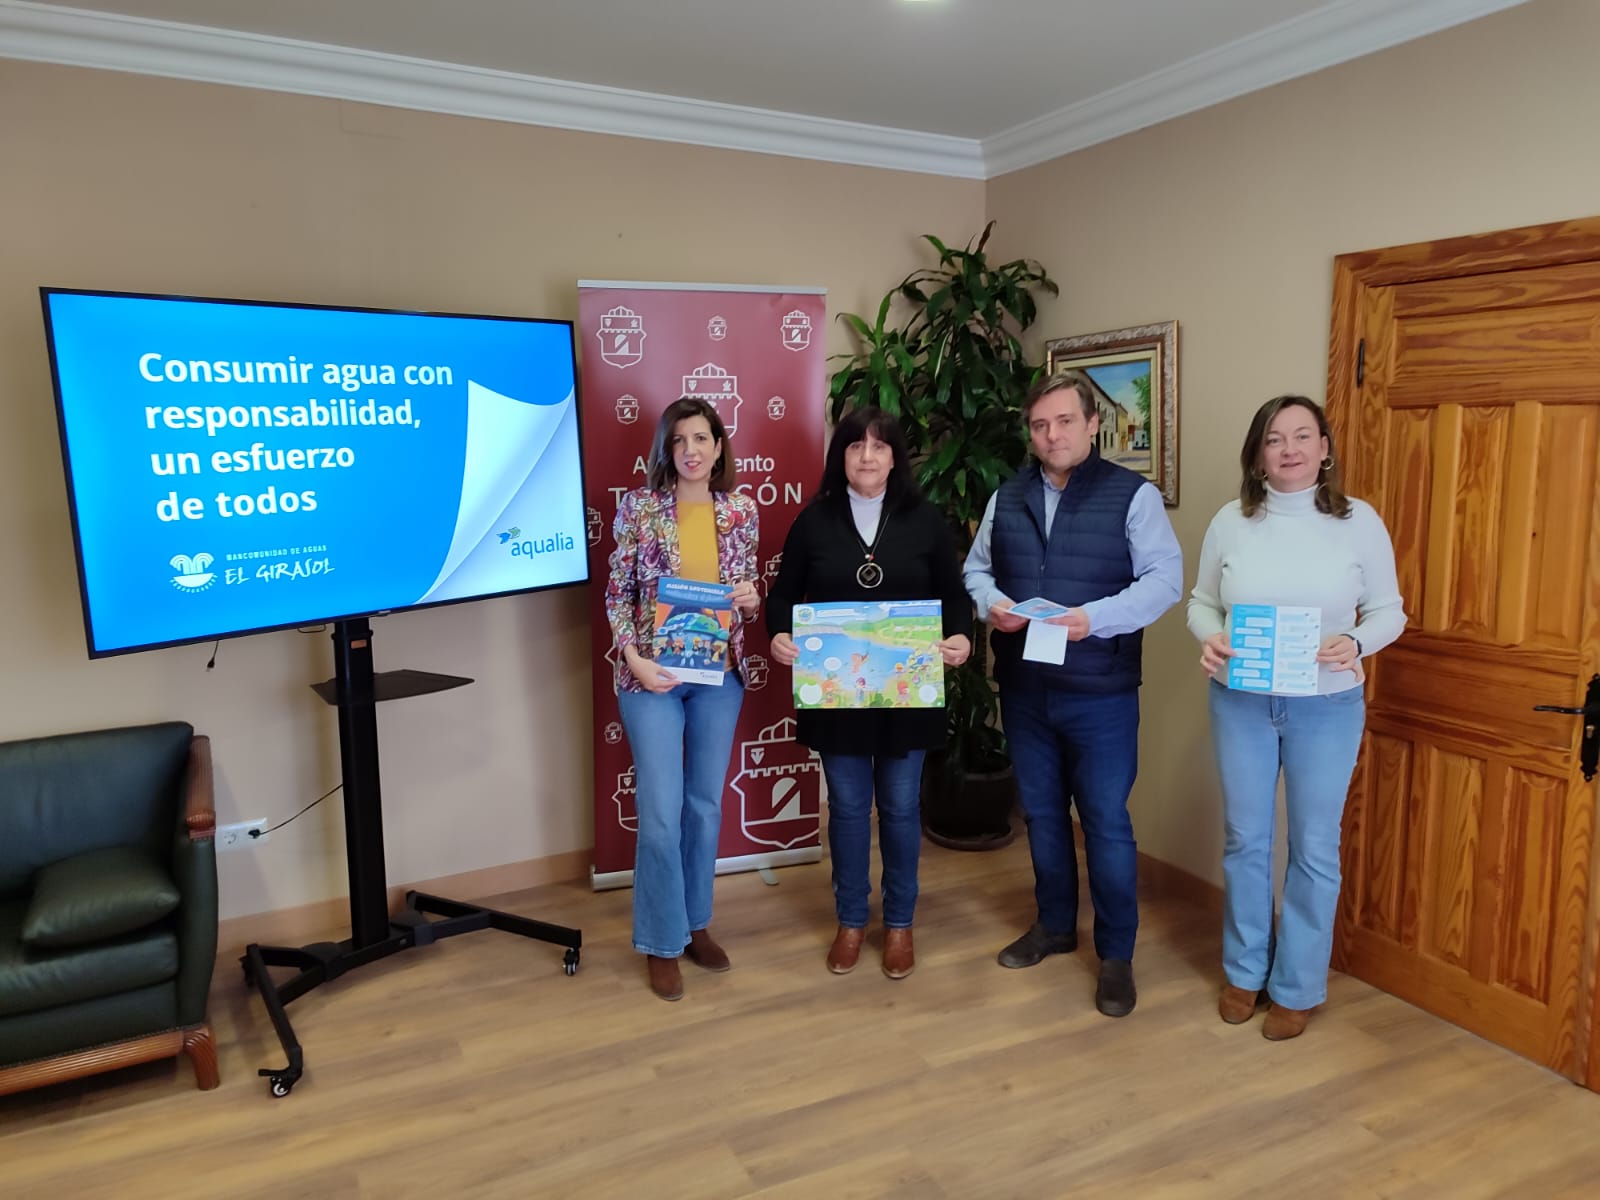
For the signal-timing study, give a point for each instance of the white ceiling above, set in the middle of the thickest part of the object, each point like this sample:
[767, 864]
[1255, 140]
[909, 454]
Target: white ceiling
[998, 79]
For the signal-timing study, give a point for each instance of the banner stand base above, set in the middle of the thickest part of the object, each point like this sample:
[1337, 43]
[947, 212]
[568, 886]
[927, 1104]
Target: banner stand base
[605, 881]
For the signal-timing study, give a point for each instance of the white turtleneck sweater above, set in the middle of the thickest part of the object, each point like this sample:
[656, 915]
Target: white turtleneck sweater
[1291, 554]
[867, 512]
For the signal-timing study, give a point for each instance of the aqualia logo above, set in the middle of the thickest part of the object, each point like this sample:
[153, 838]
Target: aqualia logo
[192, 575]
[528, 547]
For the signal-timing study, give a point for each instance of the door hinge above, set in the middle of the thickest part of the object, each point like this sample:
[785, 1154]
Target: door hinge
[1361, 362]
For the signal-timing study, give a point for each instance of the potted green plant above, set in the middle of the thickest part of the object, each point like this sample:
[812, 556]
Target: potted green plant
[944, 355]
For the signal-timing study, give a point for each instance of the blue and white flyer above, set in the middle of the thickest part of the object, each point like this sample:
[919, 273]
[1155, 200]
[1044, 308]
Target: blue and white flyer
[1274, 649]
[692, 624]
[1039, 609]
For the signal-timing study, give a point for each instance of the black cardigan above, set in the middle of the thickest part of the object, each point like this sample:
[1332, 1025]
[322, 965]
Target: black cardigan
[820, 559]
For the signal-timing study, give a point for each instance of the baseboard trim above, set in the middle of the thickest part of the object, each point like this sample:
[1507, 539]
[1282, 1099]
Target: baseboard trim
[330, 919]
[304, 923]
[1175, 883]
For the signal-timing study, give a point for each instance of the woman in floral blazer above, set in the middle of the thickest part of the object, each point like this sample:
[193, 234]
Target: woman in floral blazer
[647, 549]
[689, 523]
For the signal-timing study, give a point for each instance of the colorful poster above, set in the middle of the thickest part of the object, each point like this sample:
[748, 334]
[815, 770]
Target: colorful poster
[1274, 649]
[692, 624]
[756, 354]
[869, 655]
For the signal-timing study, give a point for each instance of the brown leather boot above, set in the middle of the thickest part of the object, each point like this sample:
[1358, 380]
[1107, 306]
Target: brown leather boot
[666, 980]
[898, 958]
[845, 950]
[1236, 1004]
[1284, 1023]
[703, 952]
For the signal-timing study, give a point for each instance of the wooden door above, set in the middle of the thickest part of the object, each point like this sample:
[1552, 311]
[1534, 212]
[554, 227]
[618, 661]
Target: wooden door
[1465, 393]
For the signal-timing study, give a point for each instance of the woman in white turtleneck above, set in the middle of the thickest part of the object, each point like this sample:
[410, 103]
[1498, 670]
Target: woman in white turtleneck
[1292, 538]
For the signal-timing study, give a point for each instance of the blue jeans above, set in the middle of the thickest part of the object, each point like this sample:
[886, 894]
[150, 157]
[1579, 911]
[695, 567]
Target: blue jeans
[1071, 747]
[1314, 740]
[853, 780]
[681, 741]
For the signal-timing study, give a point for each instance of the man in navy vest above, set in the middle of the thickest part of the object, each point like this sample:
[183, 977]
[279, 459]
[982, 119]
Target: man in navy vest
[1085, 533]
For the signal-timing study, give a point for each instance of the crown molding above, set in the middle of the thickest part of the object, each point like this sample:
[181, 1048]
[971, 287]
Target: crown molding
[1335, 33]
[1330, 35]
[108, 41]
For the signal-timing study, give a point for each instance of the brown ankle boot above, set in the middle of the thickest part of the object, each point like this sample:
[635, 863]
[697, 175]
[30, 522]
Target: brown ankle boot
[1236, 1004]
[845, 950]
[1284, 1023]
[666, 980]
[703, 952]
[898, 959]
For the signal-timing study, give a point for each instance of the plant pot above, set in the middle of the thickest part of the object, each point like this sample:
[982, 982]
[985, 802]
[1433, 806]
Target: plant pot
[967, 810]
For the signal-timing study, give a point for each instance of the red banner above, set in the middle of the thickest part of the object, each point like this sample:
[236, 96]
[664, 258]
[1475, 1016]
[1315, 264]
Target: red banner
[756, 354]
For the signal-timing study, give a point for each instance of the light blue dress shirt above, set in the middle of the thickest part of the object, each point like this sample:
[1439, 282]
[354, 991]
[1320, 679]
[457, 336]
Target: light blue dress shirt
[1153, 547]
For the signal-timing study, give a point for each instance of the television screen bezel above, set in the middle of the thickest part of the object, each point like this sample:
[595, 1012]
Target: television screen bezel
[325, 619]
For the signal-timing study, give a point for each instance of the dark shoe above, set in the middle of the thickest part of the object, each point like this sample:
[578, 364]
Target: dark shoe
[846, 949]
[1034, 946]
[703, 952]
[666, 980]
[1284, 1023]
[1115, 995]
[898, 959]
[1237, 1005]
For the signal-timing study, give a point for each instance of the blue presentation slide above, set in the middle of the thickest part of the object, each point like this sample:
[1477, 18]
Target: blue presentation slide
[244, 466]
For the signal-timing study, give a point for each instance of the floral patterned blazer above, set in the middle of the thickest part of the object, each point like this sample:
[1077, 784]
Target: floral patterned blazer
[646, 532]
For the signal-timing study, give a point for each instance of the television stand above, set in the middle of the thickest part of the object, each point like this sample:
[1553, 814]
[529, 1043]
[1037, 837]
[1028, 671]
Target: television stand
[355, 690]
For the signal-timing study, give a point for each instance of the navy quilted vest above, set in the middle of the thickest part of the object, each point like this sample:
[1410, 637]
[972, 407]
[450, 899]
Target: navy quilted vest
[1087, 559]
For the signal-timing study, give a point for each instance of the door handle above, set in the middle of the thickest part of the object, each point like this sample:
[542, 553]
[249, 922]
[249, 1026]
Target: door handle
[1589, 748]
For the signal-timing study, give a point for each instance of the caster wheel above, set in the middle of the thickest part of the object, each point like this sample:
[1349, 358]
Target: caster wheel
[569, 963]
[281, 1088]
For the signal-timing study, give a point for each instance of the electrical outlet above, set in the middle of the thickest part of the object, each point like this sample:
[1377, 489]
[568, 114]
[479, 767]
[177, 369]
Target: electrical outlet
[237, 837]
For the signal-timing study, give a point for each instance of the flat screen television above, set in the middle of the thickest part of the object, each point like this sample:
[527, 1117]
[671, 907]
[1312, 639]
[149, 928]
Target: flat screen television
[234, 467]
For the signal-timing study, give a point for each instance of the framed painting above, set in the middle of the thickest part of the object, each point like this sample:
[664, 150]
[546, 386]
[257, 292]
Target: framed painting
[1135, 376]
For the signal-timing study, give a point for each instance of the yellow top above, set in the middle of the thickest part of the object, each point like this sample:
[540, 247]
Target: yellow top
[697, 542]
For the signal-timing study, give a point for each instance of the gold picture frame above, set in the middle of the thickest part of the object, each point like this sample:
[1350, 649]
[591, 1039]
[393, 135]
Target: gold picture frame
[1135, 374]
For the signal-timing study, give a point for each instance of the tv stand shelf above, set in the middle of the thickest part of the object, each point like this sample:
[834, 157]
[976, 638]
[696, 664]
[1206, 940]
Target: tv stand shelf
[395, 685]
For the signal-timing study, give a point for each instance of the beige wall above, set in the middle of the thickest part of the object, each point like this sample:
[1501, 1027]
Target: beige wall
[1229, 219]
[124, 182]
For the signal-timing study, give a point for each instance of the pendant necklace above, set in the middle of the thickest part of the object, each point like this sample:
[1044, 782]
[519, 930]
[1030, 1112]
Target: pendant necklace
[870, 574]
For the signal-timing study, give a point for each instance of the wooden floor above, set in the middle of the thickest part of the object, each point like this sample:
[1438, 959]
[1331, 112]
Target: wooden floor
[475, 1069]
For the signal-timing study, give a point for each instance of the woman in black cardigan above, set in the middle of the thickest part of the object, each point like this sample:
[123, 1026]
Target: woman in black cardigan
[869, 535]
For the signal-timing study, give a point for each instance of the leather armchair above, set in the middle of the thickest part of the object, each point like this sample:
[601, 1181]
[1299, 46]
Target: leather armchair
[108, 903]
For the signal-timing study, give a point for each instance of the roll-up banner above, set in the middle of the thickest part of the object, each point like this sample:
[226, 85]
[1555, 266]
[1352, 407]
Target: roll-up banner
[756, 354]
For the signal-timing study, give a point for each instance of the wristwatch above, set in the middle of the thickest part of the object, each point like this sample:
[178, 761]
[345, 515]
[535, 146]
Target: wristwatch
[1357, 641]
